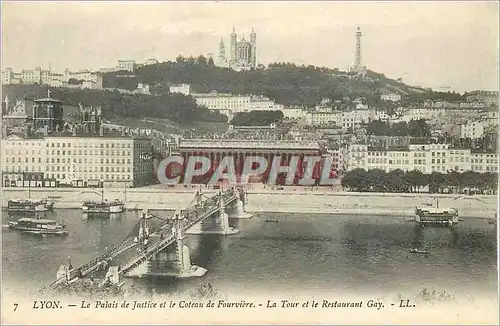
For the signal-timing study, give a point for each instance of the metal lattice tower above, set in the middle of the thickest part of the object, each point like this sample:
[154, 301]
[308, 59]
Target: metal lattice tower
[357, 59]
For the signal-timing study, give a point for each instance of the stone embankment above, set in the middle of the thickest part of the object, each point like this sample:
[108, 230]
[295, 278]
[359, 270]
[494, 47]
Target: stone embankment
[293, 200]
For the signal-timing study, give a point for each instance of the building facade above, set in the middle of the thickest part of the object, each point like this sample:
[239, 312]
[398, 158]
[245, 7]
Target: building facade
[426, 158]
[239, 150]
[392, 97]
[180, 88]
[229, 104]
[78, 159]
[87, 78]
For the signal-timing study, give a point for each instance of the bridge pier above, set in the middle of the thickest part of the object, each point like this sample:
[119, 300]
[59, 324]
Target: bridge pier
[238, 210]
[112, 275]
[63, 272]
[174, 261]
[218, 223]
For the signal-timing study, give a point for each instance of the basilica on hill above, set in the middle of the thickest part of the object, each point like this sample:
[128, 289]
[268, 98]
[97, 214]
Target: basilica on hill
[242, 53]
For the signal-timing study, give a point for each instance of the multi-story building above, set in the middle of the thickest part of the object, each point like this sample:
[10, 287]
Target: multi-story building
[472, 129]
[82, 158]
[149, 62]
[459, 160]
[356, 157]
[354, 118]
[484, 162]
[488, 97]
[46, 77]
[90, 79]
[426, 158]
[180, 88]
[293, 113]
[229, 104]
[126, 65]
[324, 118]
[392, 97]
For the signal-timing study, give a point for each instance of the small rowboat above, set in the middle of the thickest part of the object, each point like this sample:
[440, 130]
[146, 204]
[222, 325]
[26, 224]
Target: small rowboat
[419, 251]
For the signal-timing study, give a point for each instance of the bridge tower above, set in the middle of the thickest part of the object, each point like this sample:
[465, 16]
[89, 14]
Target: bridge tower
[218, 223]
[238, 208]
[175, 260]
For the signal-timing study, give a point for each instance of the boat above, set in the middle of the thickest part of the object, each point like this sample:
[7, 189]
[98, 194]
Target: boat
[38, 226]
[48, 204]
[436, 216]
[419, 251]
[104, 206]
[26, 205]
[274, 220]
[29, 205]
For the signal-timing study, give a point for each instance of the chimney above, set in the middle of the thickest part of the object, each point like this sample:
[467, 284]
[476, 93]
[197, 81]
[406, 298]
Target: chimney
[101, 131]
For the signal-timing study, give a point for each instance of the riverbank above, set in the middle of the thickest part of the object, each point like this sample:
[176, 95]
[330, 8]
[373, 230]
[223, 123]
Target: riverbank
[293, 200]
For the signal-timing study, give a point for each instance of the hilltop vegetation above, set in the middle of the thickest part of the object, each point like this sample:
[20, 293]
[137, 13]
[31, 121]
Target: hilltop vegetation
[286, 83]
[175, 107]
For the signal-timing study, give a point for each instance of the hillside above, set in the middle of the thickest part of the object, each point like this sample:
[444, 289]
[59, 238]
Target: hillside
[286, 83]
[174, 107]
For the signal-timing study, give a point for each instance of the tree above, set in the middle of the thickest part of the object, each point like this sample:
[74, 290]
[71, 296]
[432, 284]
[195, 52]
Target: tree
[73, 81]
[286, 83]
[376, 179]
[396, 181]
[378, 128]
[467, 179]
[175, 107]
[419, 129]
[257, 118]
[416, 179]
[356, 180]
[453, 180]
[436, 182]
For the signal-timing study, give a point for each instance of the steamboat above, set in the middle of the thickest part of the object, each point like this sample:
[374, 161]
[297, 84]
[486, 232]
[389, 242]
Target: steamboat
[436, 216]
[29, 205]
[38, 226]
[104, 206]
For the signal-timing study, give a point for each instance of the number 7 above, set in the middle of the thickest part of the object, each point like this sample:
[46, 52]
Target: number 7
[15, 306]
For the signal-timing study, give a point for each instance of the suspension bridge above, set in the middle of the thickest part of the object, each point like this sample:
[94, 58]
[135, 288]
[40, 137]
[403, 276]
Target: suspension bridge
[150, 244]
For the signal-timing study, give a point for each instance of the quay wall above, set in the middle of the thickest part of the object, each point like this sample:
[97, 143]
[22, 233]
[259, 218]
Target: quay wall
[266, 200]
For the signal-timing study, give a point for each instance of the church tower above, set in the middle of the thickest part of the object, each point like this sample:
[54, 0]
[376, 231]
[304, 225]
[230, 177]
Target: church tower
[253, 43]
[233, 47]
[222, 54]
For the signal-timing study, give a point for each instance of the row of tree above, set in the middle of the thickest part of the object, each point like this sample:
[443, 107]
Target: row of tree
[257, 118]
[378, 180]
[175, 107]
[415, 128]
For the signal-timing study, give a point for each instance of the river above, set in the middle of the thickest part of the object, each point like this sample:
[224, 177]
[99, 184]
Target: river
[302, 252]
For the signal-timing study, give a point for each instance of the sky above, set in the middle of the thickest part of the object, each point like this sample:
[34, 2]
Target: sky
[431, 44]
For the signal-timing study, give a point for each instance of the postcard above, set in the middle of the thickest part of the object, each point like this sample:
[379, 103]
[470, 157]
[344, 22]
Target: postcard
[249, 162]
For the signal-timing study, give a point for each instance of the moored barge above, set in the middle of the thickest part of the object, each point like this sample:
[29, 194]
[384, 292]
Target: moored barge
[38, 226]
[436, 216]
[103, 207]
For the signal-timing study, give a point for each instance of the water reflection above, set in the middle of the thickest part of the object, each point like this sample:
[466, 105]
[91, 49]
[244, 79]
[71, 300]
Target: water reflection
[310, 251]
[110, 216]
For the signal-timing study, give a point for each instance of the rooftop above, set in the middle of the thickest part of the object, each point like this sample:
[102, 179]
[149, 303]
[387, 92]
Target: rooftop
[245, 144]
[47, 99]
